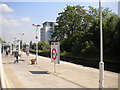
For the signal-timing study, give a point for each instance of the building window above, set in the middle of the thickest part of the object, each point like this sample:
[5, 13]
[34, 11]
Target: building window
[51, 24]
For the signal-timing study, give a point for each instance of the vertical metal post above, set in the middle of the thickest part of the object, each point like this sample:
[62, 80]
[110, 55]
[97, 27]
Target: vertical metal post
[22, 43]
[36, 42]
[101, 63]
[54, 67]
[19, 46]
[36, 46]
[40, 34]
[11, 48]
[14, 44]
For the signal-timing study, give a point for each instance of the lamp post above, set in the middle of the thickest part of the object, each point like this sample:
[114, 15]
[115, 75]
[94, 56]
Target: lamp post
[101, 63]
[22, 34]
[14, 46]
[19, 46]
[36, 41]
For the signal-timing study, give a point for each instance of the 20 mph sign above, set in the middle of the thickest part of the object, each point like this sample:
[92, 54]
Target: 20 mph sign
[55, 52]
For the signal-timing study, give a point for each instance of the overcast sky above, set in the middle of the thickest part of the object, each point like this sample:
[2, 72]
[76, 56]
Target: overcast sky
[17, 17]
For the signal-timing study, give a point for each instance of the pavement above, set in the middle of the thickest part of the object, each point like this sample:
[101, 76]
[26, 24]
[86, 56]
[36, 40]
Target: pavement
[42, 75]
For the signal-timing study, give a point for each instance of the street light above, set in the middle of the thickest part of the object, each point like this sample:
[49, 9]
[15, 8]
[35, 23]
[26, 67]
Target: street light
[101, 63]
[36, 41]
[18, 46]
[14, 46]
[22, 34]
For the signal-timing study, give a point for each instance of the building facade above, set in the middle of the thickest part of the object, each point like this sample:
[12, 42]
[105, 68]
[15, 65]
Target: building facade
[119, 8]
[46, 31]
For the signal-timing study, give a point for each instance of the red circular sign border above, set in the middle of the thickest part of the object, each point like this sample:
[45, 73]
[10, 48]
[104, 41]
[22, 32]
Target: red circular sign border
[54, 58]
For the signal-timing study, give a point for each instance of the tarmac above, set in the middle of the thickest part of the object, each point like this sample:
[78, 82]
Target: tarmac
[42, 75]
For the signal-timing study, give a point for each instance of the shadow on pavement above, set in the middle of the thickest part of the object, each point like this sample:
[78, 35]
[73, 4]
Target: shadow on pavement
[11, 63]
[39, 72]
[4, 63]
[21, 60]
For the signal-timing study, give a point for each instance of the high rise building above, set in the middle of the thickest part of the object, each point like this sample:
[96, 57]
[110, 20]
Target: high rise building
[119, 8]
[46, 31]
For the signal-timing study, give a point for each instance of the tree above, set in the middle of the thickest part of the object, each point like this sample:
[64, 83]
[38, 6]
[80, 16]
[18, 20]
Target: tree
[44, 46]
[2, 41]
[78, 30]
[21, 44]
[112, 35]
[34, 46]
[30, 44]
[73, 24]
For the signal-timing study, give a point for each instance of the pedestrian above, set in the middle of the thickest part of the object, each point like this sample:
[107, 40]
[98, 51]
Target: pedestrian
[2, 50]
[16, 54]
[27, 53]
[7, 51]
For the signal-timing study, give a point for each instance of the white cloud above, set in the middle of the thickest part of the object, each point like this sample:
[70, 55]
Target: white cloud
[26, 19]
[5, 8]
[6, 21]
[11, 22]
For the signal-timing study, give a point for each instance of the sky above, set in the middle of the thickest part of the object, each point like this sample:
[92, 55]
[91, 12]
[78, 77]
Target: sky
[18, 17]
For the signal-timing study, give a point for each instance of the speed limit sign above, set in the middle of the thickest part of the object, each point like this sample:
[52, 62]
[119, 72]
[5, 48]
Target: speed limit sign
[55, 52]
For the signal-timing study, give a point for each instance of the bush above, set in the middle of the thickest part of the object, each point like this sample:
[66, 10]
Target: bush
[43, 46]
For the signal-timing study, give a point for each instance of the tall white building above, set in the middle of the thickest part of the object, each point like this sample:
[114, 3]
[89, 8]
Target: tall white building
[46, 31]
[119, 8]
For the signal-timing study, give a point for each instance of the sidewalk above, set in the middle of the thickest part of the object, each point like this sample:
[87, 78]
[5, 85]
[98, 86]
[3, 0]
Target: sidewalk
[68, 75]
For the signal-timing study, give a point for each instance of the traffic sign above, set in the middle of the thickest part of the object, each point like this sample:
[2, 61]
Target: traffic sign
[55, 52]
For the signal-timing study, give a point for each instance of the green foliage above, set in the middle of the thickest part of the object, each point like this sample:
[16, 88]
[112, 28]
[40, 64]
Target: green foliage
[2, 41]
[33, 46]
[44, 46]
[71, 21]
[112, 35]
[30, 44]
[21, 44]
[78, 31]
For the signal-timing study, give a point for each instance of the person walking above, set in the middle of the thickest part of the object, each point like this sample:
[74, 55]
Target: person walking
[7, 52]
[16, 54]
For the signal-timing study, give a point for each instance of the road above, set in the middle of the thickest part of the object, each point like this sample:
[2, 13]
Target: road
[68, 75]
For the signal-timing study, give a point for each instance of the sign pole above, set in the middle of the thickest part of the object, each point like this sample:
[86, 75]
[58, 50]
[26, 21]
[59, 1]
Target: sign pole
[54, 67]
[55, 54]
